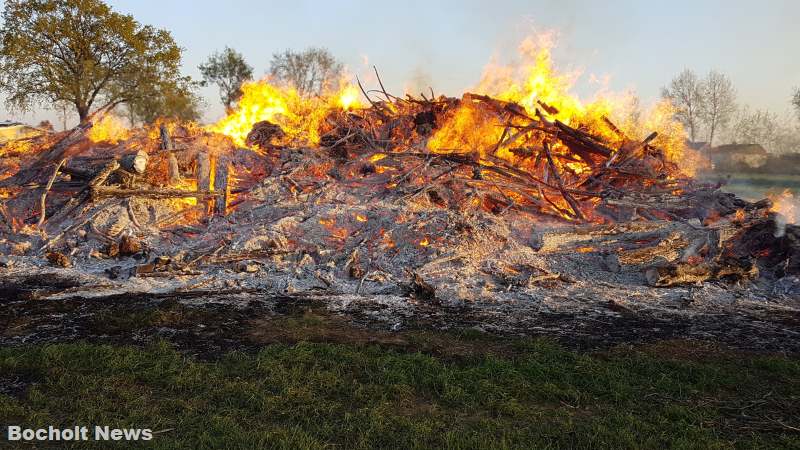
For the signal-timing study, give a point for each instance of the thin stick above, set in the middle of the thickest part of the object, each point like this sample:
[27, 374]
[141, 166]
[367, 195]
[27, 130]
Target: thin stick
[381, 84]
[572, 203]
[49, 186]
[374, 105]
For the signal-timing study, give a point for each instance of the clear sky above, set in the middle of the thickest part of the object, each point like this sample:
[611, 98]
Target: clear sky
[639, 45]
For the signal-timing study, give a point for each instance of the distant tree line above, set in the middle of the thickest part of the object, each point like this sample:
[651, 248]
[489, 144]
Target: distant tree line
[708, 109]
[310, 72]
[82, 56]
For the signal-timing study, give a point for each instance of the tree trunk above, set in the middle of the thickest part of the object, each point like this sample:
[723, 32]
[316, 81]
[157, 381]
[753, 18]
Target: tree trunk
[711, 135]
[83, 113]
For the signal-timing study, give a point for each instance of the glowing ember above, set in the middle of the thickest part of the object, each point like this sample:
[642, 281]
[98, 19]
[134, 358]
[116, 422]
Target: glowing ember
[424, 242]
[18, 147]
[376, 157]
[360, 218]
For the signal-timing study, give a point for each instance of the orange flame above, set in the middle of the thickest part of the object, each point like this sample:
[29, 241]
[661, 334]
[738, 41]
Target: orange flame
[110, 129]
[299, 117]
[539, 88]
[785, 204]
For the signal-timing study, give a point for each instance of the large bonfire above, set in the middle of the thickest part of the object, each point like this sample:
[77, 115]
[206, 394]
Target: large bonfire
[515, 185]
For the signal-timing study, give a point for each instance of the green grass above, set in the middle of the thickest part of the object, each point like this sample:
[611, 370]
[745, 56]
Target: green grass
[755, 186]
[520, 394]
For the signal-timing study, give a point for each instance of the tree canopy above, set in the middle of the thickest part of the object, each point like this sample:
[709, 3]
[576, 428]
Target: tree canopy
[83, 53]
[311, 71]
[228, 70]
[178, 100]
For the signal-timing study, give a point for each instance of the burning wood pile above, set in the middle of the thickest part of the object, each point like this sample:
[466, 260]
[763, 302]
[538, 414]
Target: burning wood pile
[429, 199]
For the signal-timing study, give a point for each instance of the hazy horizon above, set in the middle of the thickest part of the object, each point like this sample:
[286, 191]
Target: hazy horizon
[445, 45]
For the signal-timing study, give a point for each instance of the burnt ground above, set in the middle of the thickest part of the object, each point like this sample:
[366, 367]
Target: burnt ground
[211, 323]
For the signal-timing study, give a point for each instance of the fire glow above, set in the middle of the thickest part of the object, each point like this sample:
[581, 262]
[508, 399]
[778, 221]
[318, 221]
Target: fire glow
[298, 116]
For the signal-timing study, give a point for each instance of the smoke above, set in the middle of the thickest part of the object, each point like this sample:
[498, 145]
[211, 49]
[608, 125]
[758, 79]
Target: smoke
[420, 81]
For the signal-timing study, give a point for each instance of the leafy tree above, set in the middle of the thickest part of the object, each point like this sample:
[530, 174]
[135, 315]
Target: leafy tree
[228, 70]
[83, 53]
[177, 100]
[311, 71]
[719, 102]
[686, 92]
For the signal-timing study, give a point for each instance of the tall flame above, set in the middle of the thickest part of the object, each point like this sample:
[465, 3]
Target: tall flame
[299, 116]
[110, 129]
[535, 80]
[538, 87]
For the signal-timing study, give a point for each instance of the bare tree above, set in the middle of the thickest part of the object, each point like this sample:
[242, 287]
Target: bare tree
[775, 133]
[796, 101]
[754, 127]
[228, 70]
[686, 92]
[311, 71]
[719, 102]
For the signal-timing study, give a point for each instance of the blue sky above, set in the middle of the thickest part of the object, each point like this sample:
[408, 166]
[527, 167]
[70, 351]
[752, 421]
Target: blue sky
[639, 45]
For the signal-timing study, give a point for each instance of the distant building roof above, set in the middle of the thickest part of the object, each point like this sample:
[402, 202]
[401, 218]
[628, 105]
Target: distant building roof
[742, 149]
[10, 131]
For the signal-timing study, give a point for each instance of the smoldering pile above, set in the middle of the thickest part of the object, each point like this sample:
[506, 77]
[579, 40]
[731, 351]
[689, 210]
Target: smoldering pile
[371, 213]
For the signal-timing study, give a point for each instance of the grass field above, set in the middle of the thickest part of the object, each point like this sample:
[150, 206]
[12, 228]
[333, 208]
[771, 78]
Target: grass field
[445, 390]
[755, 186]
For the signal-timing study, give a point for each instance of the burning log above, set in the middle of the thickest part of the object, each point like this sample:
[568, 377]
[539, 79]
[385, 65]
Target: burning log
[134, 162]
[221, 186]
[203, 168]
[103, 175]
[172, 161]
[263, 134]
[572, 203]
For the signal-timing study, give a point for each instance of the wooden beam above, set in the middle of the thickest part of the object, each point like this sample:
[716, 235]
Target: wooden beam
[222, 188]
